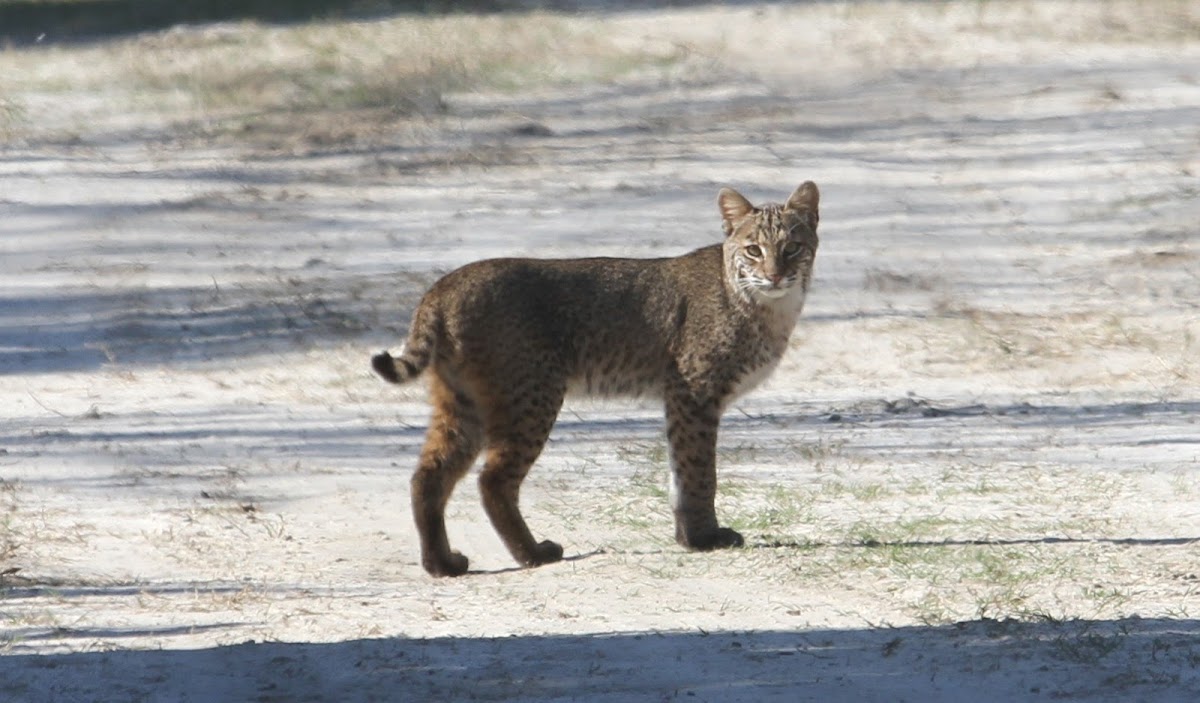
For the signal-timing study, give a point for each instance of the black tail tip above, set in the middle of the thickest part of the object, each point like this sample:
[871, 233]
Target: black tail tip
[385, 366]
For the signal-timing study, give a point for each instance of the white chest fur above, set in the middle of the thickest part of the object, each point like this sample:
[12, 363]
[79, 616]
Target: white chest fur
[781, 315]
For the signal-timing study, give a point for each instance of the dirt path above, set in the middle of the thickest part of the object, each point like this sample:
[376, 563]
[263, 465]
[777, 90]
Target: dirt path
[974, 474]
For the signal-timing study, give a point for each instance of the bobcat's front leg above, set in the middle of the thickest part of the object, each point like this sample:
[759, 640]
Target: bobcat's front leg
[692, 447]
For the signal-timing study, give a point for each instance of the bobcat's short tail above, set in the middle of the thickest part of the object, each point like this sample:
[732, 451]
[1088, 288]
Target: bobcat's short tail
[414, 356]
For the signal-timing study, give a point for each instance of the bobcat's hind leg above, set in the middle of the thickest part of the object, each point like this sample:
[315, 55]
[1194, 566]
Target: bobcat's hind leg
[692, 444]
[453, 441]
[515, 437]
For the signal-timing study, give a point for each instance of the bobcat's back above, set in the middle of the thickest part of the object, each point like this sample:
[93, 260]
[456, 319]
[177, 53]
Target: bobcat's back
[604, 326]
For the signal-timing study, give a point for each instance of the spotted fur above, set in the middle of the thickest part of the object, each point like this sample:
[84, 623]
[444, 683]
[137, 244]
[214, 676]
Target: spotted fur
[507, 339]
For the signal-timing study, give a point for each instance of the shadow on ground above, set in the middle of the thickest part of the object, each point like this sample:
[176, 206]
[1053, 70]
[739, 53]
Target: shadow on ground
[984, 660]
[84, 329]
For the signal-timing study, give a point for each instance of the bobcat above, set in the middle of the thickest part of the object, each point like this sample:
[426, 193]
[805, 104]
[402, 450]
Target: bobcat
[507, 339]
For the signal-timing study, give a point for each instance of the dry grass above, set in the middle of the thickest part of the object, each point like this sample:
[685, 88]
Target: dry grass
[10, 541]
[339, 81]
[1083, 21]
[240, 78]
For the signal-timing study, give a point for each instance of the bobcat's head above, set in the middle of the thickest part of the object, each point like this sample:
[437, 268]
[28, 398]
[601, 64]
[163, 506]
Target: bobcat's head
[769, 250]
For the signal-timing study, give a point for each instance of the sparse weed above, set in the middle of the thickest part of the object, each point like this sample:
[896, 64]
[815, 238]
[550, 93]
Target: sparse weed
[1004, 580]
[1086, 647]
[817, 453]
[649, 482]
[643, 454]
[1106, 597]
[10, 536]
[739, 453]
[861, 491]
[1183, 485]
[904, 532]
[932, 609]
[779, 511]
[641, 506]
[12, 118]
[274, 525]
[639, 517]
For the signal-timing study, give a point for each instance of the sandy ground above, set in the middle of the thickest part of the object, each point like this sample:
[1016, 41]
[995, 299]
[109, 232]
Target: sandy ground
[975, 475]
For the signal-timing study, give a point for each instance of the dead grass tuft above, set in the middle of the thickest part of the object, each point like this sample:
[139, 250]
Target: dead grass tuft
[12, 118]
[246, 79]
[10, 538]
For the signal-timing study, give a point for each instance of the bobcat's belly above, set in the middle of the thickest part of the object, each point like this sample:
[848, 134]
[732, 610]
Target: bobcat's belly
[597, 384]
[632, 372]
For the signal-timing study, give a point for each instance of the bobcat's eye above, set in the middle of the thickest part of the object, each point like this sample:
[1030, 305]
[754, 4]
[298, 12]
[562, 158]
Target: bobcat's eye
[791, 248]
[754, 251]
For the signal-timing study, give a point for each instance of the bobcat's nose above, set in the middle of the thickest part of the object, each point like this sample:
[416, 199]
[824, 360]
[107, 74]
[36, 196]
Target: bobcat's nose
[775, 278]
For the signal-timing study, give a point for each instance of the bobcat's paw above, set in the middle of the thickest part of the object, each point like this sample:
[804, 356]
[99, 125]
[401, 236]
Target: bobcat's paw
[720, 538]
[547, 553]
[453, 564]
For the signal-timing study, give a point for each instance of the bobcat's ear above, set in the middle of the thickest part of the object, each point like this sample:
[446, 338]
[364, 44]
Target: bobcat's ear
[733, 208]
[804, 201]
